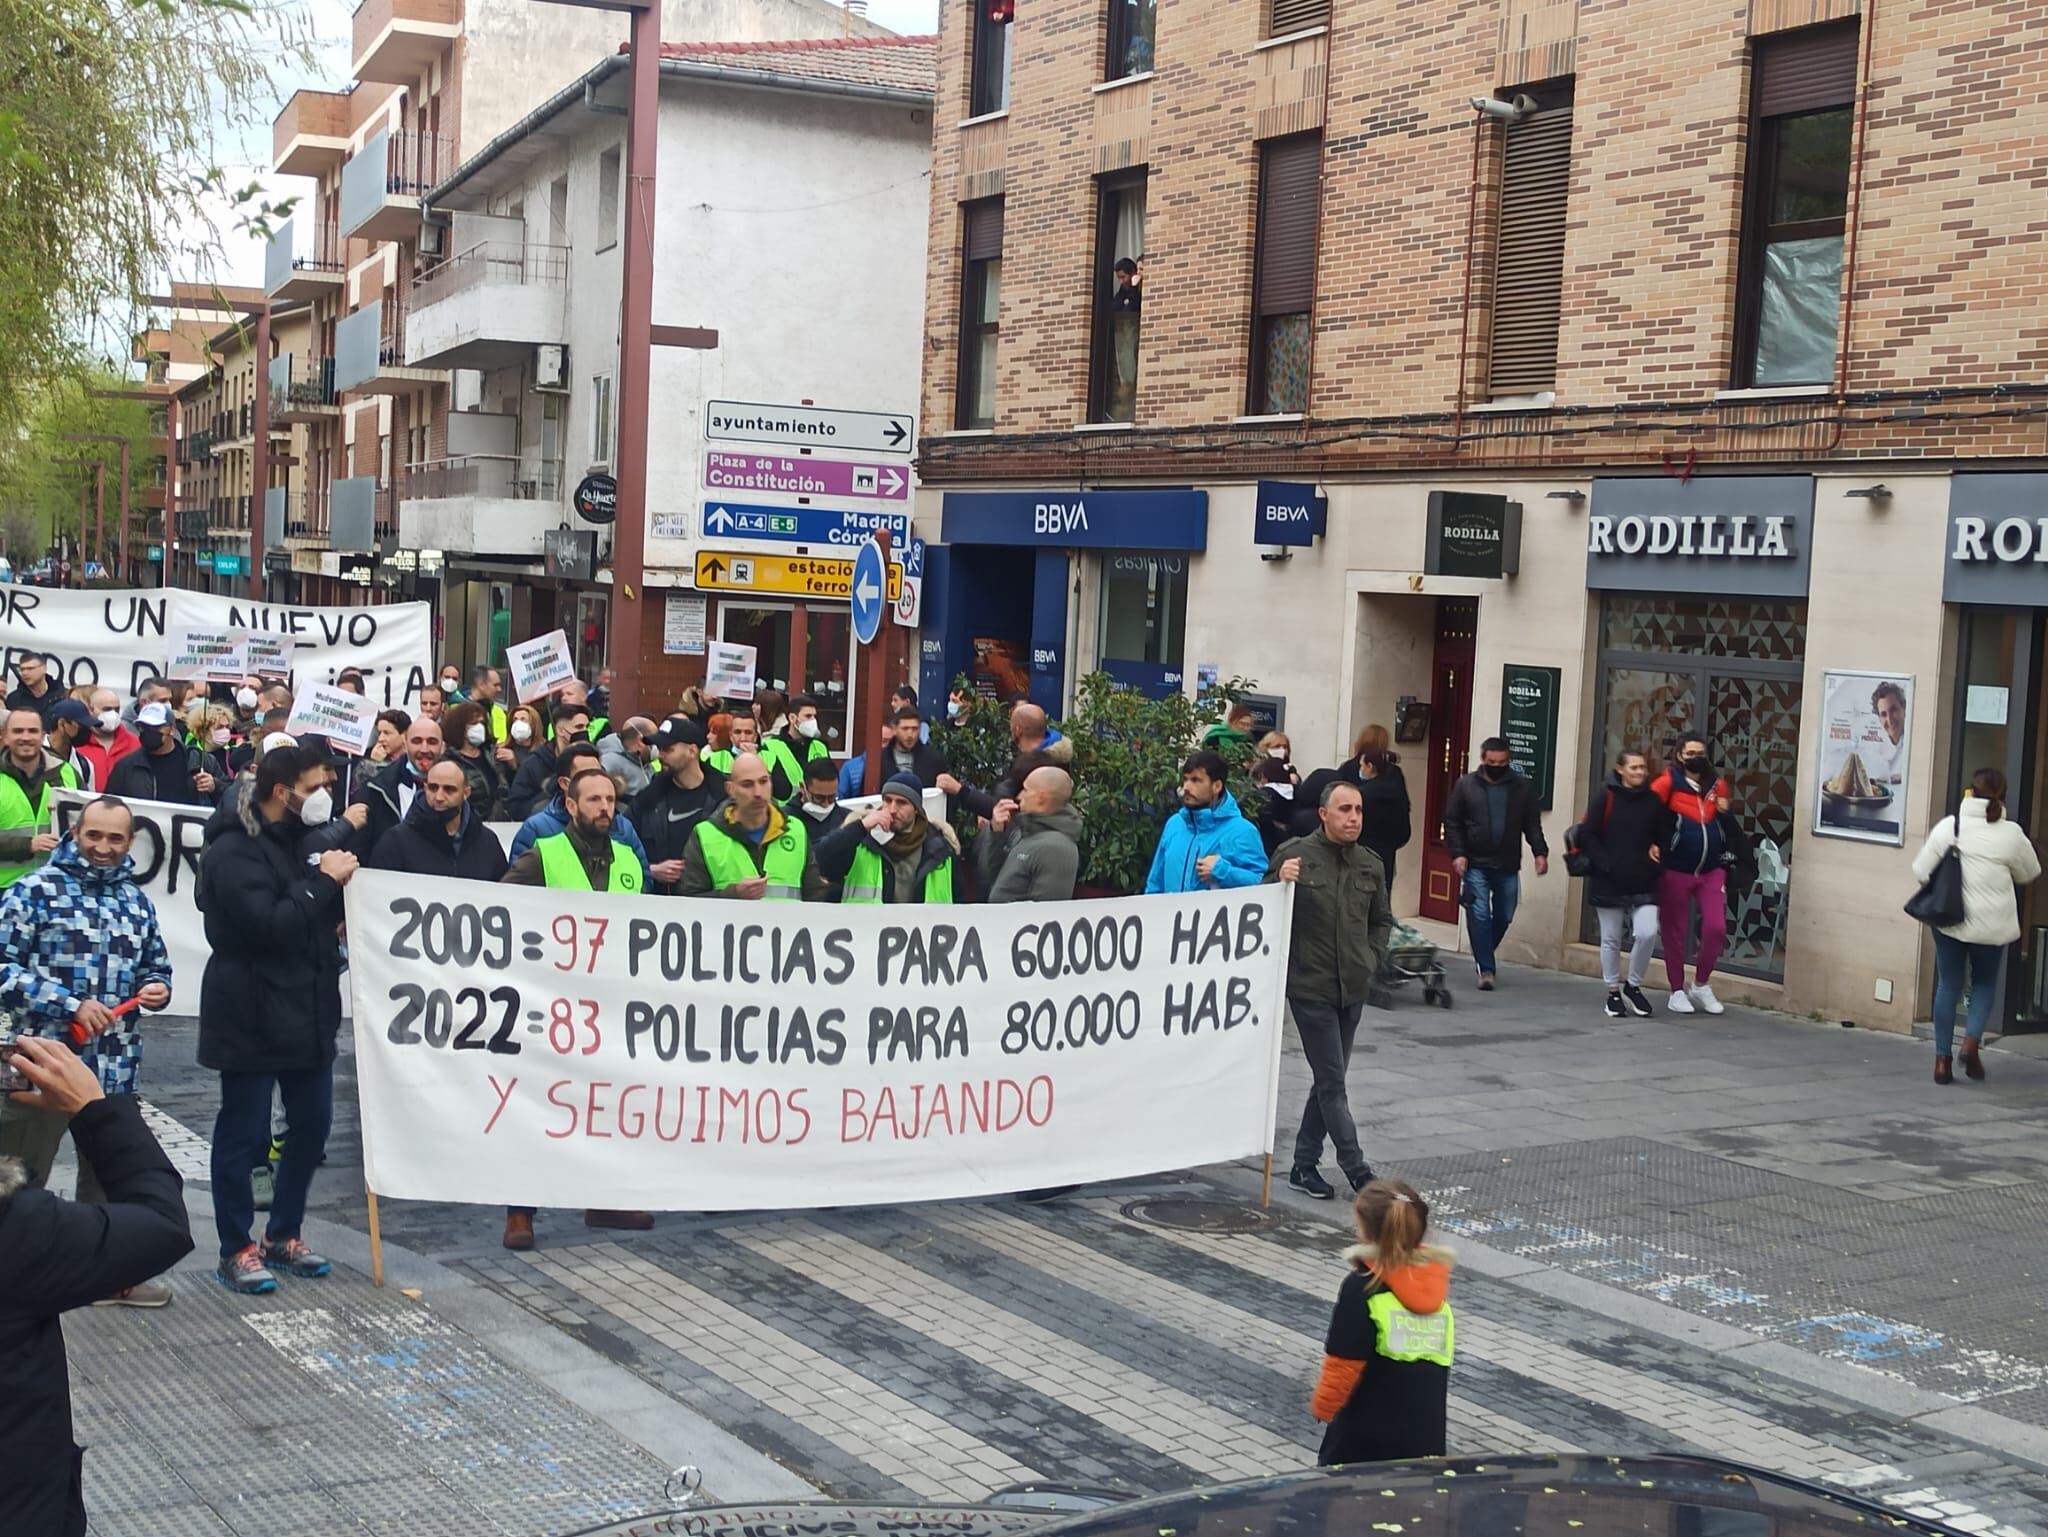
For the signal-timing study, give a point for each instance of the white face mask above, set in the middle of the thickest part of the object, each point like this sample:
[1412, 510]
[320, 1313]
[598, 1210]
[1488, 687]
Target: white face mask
[220, 736]
[1285, 792]
[816, 812]
[807, 728]
[450, 684]
[246, 698]
[953, 709]
[521, 731]
[1279, 753]
[318, 809]
[110, 720]
[475, 735]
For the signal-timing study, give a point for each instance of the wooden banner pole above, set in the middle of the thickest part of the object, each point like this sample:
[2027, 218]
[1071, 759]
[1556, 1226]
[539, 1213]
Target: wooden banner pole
[1265, 1192]
[377, 1236]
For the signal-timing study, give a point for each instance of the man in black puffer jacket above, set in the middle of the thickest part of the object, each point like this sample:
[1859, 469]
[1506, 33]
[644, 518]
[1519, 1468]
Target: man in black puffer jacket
[56, 1255]
[1623, 836]
[440, 834]
[270, 1006]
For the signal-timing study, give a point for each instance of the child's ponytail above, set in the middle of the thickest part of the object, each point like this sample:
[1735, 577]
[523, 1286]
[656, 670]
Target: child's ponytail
[1393, 1217]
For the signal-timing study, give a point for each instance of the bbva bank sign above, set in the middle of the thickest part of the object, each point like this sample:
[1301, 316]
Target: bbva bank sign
[1733, 535]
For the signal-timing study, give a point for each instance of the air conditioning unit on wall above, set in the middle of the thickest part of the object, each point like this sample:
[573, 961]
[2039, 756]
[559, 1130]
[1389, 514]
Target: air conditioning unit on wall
[551, 367]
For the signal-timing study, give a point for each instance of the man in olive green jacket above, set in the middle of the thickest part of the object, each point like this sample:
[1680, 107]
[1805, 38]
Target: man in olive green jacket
[1342, 926]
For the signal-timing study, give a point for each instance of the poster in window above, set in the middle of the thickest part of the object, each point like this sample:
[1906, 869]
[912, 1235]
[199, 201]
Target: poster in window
[1866, 737]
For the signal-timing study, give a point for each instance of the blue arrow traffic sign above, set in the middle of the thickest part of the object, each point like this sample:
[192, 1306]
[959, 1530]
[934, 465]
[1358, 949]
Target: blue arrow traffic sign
[870, 592]
[800, 525]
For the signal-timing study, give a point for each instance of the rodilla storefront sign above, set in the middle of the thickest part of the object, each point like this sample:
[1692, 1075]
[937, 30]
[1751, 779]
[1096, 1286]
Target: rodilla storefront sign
[1750, 534]
[1997, 549]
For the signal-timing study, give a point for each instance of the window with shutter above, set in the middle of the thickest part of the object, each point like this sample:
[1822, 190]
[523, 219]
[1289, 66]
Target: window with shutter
[981, 225]
[1285, 16]
[1528, 269]
[1284, 273]
[988, 87]
[1789, 287]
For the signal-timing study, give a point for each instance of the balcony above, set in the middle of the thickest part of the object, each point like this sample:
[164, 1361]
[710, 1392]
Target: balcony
[488, 307]
[301, 389]
[369, 354]
[480, 504]
[396, 41]
[228, 516]
[300, 265]
[310, 136]
[383, 182]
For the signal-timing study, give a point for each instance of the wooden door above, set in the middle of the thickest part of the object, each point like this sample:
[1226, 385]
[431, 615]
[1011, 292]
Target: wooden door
[1450, 747]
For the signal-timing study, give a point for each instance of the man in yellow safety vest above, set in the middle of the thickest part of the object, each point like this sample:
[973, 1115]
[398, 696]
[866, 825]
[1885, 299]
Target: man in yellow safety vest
[747, 848]
[27, 774]
[581, 857]
[894, 853]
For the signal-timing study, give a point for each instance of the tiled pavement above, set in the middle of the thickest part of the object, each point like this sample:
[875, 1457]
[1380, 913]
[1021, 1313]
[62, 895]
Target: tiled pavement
[1752, 1236]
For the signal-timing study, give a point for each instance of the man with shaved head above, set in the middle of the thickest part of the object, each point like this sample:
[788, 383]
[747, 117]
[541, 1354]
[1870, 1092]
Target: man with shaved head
[747, 848]
[1032, 849]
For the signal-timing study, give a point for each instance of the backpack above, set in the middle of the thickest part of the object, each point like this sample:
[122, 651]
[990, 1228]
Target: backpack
[1577, 861]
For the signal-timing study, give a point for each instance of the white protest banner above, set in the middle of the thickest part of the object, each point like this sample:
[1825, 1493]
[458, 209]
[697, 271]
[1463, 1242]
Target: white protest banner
[557, 1048]
[206, 655]
[540, 666]
[168, 841]
[729, 671]
[347, 720]
[119, 637]
[269, 656]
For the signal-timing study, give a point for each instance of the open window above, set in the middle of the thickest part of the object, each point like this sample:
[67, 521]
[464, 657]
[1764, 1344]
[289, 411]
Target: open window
[1119, 293]
[1789, 288]
[988, 87]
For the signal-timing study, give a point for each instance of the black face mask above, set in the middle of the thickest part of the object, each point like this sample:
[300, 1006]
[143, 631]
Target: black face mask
[1698, 765]
[151, 737]
[1494, 771]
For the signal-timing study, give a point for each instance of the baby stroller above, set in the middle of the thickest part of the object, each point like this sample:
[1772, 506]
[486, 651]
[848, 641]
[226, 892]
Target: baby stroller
[1410, 958]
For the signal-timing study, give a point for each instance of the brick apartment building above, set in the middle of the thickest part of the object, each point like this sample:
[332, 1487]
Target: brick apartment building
[1696, 374]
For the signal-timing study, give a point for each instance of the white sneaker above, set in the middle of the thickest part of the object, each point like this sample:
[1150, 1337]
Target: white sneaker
[1703, 995]
[1680, 1003]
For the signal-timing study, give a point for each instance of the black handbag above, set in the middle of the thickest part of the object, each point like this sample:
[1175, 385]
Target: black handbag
[1939, 901]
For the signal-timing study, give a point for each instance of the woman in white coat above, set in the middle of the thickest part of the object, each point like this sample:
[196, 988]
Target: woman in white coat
[1996, 855]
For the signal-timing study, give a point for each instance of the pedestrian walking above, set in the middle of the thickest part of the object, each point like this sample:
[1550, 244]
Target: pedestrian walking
[679, 797]
[56, 1255]
[1694, 873]
[1031, 850]
[1487, 817]
[1622, 838]
[28, 774]
[1271, 803]
[1207, 845]
[1342, 926]
[893, 853]
[1996, 856]
[1385, 1385]
[270, 1006]
[1274, 747]
[748, 848]
[1389, 819]
[442, 833]
[79, 939]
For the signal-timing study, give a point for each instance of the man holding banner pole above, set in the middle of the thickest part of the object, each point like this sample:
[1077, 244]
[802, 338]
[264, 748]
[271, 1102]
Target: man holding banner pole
[581, 857]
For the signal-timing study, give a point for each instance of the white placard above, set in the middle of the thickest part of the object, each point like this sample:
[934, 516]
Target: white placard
[119, 637]
[568, 1049]
[347, 720]
[206, 655]
[682, 625]
[540, 666]
[729, 670]
[269, 656]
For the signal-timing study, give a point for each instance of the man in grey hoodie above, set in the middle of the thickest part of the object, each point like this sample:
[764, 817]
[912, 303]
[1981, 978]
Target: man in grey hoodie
[1031, 851]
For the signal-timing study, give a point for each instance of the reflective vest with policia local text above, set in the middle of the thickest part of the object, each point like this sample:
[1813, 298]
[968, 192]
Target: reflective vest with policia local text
[15, 811]
[1406, 1336]
[562, 867]
[729, 861]
[865, 876]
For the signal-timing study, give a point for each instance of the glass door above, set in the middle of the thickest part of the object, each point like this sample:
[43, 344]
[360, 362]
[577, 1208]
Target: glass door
[767, 628]
[828, 671]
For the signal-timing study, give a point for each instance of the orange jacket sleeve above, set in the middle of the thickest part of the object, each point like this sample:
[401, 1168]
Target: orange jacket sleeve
[1335, 1386]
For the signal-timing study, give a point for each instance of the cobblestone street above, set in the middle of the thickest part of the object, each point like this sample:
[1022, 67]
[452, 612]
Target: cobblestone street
[1754, 1237]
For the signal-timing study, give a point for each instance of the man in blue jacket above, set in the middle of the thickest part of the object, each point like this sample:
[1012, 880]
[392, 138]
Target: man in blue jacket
[1208, 845]
[554, 816]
